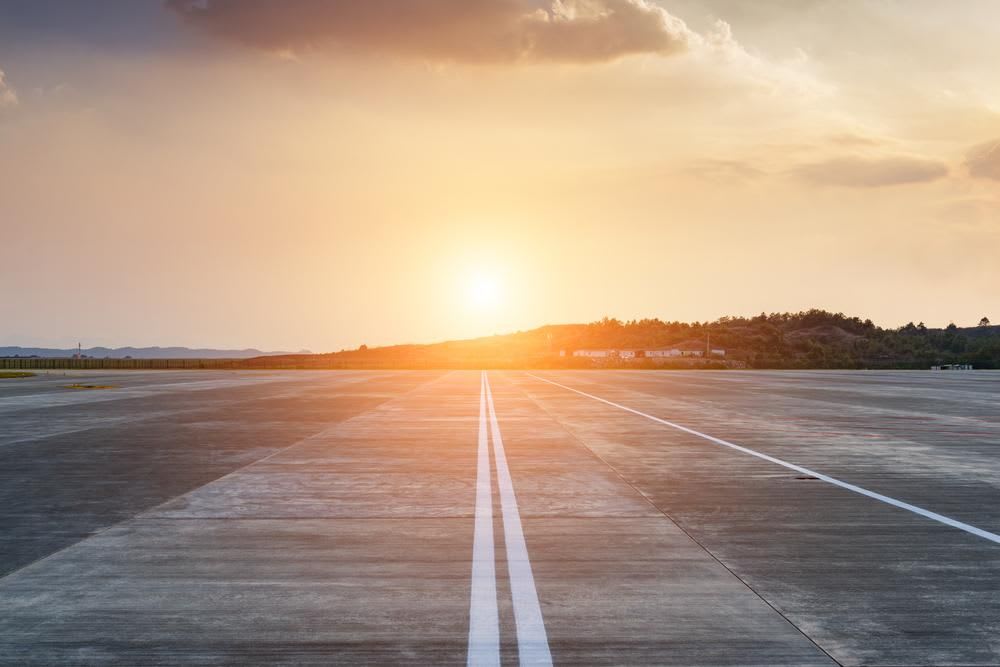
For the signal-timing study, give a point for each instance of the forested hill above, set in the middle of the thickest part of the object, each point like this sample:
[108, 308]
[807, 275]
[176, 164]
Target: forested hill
[809, 339]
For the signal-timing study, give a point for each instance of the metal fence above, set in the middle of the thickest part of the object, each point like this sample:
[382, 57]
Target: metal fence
[25, 363]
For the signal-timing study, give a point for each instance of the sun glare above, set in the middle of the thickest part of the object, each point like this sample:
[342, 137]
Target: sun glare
[483, 291]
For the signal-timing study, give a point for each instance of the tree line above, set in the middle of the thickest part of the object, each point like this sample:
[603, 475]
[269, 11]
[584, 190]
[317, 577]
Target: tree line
[808, 339]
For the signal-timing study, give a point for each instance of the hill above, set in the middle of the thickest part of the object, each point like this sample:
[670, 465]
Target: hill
[808, 339]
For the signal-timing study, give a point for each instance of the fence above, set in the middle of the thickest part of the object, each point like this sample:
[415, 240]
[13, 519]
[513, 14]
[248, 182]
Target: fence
[24, 363]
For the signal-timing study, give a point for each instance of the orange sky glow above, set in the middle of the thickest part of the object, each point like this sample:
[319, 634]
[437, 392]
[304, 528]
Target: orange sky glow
[248, 174]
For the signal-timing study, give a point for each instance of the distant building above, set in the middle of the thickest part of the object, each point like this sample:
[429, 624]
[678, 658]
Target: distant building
[952, 367]
[608, 354]
[664, 352]
[682, 350]
[687, 350]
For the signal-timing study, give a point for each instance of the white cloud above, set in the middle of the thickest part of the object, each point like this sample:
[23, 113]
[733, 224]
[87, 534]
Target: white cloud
[7, 95]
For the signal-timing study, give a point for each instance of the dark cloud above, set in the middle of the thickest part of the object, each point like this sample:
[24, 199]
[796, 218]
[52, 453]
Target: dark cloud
[474, 31]
[859, 172]
[983, 161]
[133, 26]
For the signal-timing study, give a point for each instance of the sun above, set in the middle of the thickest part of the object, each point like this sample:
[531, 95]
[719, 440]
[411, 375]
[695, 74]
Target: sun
[483, 291]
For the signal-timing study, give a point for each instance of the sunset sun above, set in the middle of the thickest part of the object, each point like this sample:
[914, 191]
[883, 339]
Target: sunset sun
[483, 291]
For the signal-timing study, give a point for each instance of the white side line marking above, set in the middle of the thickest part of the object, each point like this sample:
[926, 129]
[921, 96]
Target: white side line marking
[484, 625]
[934, 516]
[532, 642]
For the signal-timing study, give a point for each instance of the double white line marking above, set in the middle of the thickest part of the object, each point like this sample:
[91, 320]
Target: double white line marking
[484, 625]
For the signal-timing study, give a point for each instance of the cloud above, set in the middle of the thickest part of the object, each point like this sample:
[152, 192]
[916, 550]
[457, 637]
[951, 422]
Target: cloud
[970, 211]
[724, 170]
[8, 97]
[851, 139]
[471, 31]
[860, 172]
[983, 161]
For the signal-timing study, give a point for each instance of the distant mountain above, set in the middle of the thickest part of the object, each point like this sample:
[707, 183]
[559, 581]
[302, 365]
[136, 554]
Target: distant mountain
[139, 353]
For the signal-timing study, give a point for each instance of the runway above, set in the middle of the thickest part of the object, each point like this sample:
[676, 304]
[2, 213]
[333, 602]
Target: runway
[460, 517]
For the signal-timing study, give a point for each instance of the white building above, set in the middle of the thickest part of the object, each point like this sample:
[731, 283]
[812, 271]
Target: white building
[673, 352]
[660, 353]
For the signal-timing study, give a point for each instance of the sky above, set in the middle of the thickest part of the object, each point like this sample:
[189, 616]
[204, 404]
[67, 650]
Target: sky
[324, 174]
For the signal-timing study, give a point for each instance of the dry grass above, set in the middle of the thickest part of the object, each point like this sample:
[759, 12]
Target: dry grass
[15, 374]
[89, 386]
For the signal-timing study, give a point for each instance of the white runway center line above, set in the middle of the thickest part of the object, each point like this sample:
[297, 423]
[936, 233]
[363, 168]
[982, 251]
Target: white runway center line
[934, 516]
[484, 626]
[484, 635]
[532, 642]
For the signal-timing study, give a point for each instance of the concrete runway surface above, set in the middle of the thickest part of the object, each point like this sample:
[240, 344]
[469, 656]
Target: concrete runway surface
[550, 517]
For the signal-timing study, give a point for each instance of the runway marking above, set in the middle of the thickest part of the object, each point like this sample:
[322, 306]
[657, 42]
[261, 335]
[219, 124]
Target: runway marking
[484, 626]
[532, 641]
[934, 516]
